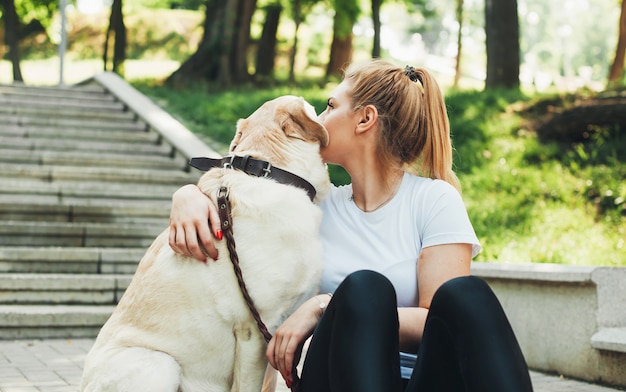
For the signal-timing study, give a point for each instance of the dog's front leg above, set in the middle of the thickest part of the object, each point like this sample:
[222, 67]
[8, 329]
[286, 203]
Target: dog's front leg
[250, 361]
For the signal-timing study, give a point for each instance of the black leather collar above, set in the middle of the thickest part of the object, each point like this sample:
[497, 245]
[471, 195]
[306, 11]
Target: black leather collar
[254, 167]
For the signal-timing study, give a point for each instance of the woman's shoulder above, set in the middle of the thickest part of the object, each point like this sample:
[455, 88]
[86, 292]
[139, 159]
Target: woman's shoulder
[428, 187]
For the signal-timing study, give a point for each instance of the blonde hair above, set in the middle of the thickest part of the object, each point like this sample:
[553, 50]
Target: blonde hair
[412, 117]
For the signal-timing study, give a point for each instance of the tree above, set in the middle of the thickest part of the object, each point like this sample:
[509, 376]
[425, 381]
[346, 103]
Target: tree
[617, 68]
[459, 42]
[117, 27]
[11, 36]
[298, 8]
[376, 4]
[346, 14]
[503, 49]
[266, 51]
[221, 54]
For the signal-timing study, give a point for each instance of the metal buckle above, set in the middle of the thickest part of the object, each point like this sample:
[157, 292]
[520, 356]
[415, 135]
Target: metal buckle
[267, 170]
[228, 165]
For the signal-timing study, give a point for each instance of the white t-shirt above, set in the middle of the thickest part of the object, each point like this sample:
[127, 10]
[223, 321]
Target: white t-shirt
[423, 213]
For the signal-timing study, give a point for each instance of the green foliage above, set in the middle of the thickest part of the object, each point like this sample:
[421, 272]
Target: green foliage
[36, 10]
[346, 14]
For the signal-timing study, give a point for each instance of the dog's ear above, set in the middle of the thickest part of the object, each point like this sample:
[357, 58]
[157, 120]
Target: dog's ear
[238, 133]
[298, 119]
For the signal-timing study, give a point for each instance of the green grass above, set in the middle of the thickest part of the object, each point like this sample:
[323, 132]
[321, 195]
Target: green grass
[529, 201]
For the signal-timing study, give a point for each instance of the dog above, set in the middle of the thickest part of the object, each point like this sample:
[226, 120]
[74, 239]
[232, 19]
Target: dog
[183, 325]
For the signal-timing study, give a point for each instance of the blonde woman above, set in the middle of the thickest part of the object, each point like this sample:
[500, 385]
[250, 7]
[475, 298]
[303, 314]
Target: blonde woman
[398, 245]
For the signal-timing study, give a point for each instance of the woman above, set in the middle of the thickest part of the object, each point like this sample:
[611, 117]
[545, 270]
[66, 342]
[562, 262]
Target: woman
[397, 253]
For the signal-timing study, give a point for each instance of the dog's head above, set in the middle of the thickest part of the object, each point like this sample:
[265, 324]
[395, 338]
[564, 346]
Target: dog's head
[279, 119]
[286, 132]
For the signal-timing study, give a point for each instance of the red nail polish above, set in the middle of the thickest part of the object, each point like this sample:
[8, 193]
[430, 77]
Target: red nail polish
[219, 234]
[287, 372]
[288, 383]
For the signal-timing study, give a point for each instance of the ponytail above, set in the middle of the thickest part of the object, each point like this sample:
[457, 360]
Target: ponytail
[436, 156]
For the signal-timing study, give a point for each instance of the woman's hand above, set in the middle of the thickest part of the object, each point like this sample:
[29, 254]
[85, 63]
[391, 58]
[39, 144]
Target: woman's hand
[285, 348]
[191, 214]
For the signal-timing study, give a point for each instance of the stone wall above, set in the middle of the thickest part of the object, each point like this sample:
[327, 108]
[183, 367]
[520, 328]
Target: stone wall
[569, 320]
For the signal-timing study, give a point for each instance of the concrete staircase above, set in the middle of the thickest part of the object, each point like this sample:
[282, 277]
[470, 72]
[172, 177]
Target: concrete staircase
[86, 178]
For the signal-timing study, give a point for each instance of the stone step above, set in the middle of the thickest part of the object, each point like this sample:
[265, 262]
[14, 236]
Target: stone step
[73, 91]
[63, 103]
[86, 189]
[34, 111]
[84, 159]
[57, 289]
[80, 234]
[27, 144]
[97, 173]
[10, 120]
[86, 180]
[49, 208]
[72, 260]
[98, 134]
[52, 321]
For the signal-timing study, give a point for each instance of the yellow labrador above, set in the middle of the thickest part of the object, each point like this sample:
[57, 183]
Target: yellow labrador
[183, 325]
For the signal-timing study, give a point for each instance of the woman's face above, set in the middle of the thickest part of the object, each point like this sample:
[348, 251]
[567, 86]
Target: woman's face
[340, 121]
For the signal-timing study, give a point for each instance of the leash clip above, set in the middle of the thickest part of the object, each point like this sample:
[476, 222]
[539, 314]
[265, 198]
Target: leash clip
[228, 165]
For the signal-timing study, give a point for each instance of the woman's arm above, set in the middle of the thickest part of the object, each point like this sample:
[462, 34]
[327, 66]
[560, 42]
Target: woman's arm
[436, 265]
[192, 219]
[285, 348]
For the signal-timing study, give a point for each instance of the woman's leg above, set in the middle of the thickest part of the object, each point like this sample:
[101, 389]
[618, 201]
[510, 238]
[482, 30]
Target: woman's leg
[355, 345]
[468, 343]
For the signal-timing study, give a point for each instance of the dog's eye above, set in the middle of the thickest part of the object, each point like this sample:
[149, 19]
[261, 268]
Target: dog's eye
[330, 104]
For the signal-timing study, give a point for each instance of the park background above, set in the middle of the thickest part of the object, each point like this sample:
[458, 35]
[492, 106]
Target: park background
[538, 188]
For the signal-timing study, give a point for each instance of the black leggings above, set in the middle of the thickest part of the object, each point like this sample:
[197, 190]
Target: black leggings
[467, 345]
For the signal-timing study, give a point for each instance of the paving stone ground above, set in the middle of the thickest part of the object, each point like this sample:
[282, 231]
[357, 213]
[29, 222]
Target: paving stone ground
[56, 366]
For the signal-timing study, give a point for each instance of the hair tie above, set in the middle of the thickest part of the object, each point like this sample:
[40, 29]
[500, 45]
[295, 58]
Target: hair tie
[412, 74]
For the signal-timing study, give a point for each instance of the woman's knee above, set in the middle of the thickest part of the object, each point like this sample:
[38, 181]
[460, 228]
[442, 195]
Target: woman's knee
[366, 289]
[464, 293]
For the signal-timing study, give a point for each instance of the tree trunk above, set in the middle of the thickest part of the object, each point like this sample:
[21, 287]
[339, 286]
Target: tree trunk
[119, 49]
[266, 51]
[617, 68]
[12, 33]
[118, 30]
[221, 54]
[502, 36]
[2, 42]
[340, 56]
[245, 12]
[459, 43]
[105, 52]
[297, 20]
[376, 22]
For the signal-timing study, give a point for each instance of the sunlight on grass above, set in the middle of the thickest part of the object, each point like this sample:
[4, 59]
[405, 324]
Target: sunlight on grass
[565, 236]
[47, 72]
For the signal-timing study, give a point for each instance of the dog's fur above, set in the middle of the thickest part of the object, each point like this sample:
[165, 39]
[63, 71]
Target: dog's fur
[183, 325]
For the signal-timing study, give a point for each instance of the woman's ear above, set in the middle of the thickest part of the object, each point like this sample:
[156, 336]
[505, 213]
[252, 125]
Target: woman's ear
[368, 118]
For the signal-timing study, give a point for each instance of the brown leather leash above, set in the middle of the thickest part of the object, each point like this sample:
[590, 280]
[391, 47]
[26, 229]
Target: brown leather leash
[226, 219]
